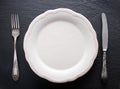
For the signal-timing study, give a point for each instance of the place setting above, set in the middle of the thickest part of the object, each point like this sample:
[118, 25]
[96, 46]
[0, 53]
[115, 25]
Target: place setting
[60, 45]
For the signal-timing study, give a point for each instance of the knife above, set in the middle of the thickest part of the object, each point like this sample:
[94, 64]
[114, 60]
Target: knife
[104, 74]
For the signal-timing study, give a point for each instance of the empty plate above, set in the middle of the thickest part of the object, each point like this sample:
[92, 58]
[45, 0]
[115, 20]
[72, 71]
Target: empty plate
[60, 45]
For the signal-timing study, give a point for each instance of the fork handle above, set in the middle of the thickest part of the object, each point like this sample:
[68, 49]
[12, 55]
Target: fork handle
[15, 70]
[104, 74]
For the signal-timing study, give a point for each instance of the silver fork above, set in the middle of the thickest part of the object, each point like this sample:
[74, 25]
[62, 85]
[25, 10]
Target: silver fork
[15, 33]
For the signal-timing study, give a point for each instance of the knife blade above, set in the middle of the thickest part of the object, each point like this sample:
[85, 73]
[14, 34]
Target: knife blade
[104, 32]
[104, 74]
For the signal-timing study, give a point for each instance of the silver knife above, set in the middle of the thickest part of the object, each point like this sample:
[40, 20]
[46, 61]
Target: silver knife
[104, 74]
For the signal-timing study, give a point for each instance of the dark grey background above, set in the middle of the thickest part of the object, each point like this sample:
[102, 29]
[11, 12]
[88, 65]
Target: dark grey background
[28, 10]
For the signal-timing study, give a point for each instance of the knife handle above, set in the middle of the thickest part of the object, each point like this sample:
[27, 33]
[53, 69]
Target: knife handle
[104, 74]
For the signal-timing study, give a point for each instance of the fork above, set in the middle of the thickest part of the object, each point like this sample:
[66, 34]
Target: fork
[15, 34]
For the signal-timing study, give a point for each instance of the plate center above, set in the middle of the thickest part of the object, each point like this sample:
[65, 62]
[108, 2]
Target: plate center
[60, 44]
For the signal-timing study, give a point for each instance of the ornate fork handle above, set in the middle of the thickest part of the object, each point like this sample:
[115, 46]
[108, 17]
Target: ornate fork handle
[15, 71]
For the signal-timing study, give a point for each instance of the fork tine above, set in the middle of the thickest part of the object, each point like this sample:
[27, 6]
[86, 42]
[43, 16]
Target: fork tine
[12, 21]
[18, 26]
[15, 17]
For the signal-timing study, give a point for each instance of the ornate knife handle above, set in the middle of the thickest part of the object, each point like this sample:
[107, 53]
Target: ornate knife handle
[104, 74]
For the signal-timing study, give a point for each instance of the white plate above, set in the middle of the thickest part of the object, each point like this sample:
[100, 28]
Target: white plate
[60, 45]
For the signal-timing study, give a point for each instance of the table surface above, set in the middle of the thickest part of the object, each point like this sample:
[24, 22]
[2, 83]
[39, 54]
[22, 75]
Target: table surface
[28, 10]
